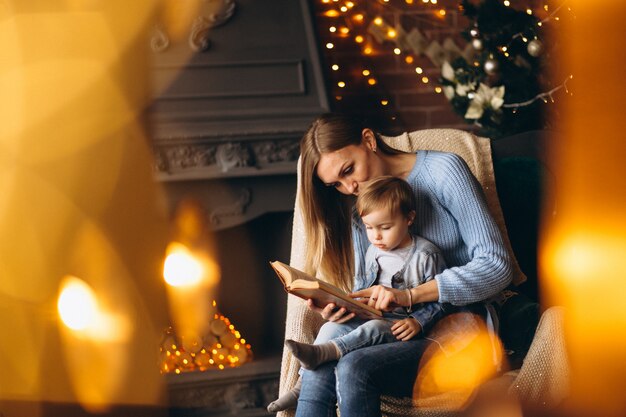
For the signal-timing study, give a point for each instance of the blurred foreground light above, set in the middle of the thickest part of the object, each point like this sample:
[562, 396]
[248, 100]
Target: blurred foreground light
[181, 268]
[77, 304]
[461, 364]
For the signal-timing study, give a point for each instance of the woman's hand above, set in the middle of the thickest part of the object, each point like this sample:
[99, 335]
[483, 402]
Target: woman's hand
[331, 313]
[382, 298]
[406, 329]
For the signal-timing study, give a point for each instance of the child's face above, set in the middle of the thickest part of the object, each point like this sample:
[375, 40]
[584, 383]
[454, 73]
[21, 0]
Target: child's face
[388, 230]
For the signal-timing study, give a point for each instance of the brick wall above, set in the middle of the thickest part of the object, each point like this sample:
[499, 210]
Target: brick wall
[410, 103]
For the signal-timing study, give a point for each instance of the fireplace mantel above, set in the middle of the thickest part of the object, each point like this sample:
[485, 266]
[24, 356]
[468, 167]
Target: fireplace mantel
[231, 102]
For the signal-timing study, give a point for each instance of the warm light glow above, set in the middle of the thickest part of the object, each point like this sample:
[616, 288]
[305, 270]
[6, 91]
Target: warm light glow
[344, 30]
[409, 1]
[366, 72]
[384, 102]
[367, 50]
[358, 17]
[461, 369]
[371, 81]
[438, 90]
[341, 84]
[359, 39]
[442, 12]
[181, 269]
[391, 33]
[529, 11]
[77, 304]
[425, 80]
[408, 59]
[332, 29]
[397, 51]
[419, 70]
[378, 21]
[332, 13]
[330, 45]
[335, 67]
[507, 3]
[343, 9]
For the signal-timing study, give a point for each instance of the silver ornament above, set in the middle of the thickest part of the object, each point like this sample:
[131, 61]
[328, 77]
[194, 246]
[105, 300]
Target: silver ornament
[477, 44]
[535, 48]
[491, 66]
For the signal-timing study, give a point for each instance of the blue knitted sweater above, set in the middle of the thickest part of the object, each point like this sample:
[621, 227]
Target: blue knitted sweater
[452, 214]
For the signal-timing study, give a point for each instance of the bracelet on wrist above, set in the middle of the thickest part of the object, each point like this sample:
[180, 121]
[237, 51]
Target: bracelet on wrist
[410, 300]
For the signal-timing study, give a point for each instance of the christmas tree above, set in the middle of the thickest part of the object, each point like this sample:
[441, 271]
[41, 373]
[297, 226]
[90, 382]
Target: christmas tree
[503, 87]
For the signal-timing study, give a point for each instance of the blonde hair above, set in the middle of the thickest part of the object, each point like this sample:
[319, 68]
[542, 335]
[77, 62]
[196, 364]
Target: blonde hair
[327, 214]
[387, 192]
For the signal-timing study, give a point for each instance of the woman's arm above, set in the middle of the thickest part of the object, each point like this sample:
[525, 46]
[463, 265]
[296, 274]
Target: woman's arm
[489, 269]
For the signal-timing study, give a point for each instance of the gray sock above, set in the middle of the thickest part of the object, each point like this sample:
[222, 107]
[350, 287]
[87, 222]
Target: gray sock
[311, 356]
[287, 400]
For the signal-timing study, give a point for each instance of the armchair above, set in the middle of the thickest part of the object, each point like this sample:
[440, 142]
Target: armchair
[543, 375]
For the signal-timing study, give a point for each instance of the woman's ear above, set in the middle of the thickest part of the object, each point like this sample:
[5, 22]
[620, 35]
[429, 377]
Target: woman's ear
[369, 139]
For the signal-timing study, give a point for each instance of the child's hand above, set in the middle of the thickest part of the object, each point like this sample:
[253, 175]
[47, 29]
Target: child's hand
[406, 329]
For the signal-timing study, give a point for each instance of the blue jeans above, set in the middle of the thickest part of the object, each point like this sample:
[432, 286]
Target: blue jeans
[359, 378]
[356, 334]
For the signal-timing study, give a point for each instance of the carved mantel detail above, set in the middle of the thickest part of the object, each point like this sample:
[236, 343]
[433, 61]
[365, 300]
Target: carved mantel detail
[214, 13]
[238, 208]
[226, 159]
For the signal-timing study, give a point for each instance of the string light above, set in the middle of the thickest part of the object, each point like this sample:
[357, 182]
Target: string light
[542, 96]
[335, 67]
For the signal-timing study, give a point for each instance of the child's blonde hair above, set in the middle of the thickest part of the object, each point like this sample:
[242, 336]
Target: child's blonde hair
[386, 192]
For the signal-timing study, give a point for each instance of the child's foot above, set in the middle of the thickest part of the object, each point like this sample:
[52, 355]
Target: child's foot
[286, 401]
[311, 356]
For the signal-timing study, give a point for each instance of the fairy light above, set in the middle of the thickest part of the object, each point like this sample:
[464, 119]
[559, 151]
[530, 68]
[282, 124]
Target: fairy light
[343, 9]
[378, 21]
[433, 1]
[409, 1]
[425, 80]
[507, 3]
[529, 11]
[408, 59]
[331, 13]
[442, 12]
[330, 45]
[358, 17]
[384, 102]
[341, 84]
[359, 39]
[366, 72]
[542, 96]
[419, 70]
[367, 50]
[335, 67]
[344, 30]
[332, 29]
[438, 90]
[371, 81]
[391, 33]
[397, 51]
[350, 4]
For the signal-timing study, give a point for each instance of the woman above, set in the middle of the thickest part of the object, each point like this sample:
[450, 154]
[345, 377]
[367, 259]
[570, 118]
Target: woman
[338, 155]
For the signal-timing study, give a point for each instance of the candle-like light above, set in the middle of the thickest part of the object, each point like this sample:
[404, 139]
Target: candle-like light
[582, 253]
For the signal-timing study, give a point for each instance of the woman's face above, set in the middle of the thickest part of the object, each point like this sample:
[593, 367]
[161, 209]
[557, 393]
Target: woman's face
[348, 168]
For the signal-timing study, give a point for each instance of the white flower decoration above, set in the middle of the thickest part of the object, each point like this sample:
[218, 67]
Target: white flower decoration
[485, 97]
[447, 72]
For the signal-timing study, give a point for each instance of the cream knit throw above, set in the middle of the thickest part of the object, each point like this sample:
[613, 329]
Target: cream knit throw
[302, 325]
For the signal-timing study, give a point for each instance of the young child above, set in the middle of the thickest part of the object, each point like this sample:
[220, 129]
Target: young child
[395, 258]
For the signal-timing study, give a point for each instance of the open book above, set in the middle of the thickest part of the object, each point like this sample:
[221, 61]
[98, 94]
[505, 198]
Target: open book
[322, 293]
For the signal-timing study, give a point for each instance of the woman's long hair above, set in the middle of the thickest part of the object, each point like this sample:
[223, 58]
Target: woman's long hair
[327, 214]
